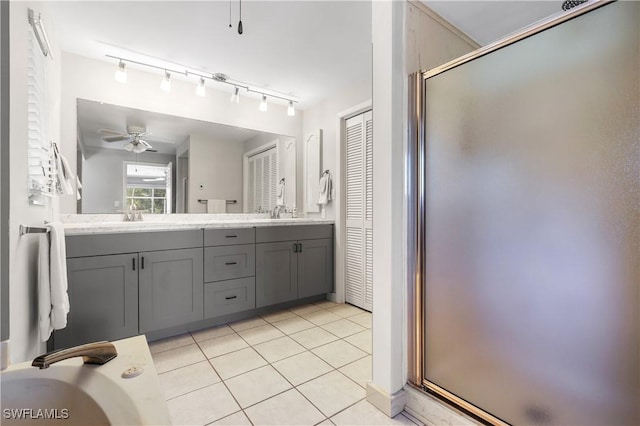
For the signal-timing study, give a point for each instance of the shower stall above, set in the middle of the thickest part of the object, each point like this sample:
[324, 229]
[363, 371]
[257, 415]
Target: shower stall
[527, 223]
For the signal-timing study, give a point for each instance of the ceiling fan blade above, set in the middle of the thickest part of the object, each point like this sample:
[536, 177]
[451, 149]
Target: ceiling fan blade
[116, 138]
[111, 132]
[146, 144]
[151, 150]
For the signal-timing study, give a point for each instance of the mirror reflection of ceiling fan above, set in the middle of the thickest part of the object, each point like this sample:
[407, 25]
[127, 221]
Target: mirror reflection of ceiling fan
[132, 136]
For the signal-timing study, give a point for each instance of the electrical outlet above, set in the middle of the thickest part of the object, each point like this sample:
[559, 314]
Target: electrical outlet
[333, 193]
[116, 203]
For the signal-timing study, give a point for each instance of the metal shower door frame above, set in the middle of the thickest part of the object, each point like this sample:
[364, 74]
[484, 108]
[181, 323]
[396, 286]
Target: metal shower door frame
[417, 202]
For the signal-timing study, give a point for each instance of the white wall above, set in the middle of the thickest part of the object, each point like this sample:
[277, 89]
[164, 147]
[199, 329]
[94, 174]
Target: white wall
[394, 25]
[85, 78]
[215, 171]
[103, 177]
[24, 338]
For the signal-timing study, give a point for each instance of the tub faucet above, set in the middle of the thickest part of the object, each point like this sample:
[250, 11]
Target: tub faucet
[92, 353]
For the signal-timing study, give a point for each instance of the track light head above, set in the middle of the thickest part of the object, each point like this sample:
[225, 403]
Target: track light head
[121, 72]
[201, 90]
[263, 104]
[235, 98]
[166, 82]
[291, 111]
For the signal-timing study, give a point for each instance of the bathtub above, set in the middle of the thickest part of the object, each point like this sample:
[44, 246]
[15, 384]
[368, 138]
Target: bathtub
[72, 393]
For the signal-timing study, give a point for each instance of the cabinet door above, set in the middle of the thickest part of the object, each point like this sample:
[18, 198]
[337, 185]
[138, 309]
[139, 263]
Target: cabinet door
[103, 298]
[276, 273]
[315, 267]
[171, 288]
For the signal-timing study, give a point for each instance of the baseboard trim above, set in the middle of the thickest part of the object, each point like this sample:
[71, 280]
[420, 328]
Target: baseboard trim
[390, 405]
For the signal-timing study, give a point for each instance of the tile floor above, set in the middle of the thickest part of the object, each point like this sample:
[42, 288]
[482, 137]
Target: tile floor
[303, 366]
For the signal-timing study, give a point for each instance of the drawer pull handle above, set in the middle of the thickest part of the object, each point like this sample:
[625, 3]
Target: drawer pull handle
[231, 236]
[231, 297]
[231, 263]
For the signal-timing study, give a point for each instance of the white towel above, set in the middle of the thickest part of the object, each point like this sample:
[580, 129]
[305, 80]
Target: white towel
[326, 186]
[216, 206]
[280, 199]
[64, 177]
[53, 300]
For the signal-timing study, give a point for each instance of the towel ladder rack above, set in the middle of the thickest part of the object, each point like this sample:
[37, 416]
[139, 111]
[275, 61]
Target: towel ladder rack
[33, 230]
[228, 201]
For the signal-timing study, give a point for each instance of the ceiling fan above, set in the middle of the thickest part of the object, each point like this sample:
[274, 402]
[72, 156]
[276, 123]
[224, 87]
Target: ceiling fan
[132, 136]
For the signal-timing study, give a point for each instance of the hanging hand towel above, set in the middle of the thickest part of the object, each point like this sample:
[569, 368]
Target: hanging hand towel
[64, 177]
[216, 206]
[53, 300]
[326, 186]
[280, 198]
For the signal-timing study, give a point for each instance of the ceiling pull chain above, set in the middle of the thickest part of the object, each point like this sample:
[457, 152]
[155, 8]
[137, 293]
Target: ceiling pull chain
[240, 21]
[230, 26]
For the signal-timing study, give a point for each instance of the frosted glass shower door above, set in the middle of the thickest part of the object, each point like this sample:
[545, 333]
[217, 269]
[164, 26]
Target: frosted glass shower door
[532, 260]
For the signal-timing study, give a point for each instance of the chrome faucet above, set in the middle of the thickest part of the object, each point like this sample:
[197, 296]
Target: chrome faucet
[133, 214]
[92, 353]
[275, 213]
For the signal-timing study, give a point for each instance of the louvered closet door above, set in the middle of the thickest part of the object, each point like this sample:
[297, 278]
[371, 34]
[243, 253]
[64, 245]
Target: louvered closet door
[263, 180]
[359, 195]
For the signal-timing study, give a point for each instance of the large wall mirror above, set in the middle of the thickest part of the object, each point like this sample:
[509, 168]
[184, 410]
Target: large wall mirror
[166, 164]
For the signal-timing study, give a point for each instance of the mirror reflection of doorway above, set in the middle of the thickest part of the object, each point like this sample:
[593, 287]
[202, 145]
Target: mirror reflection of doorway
[147, 186]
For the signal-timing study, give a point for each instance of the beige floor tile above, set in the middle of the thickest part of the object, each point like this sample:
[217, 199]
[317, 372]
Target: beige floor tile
[170, 343]
[211, 333]
[235, 363]
[326, 304]
[359, 371]
[305, 309]
[321, 317]
[257, 385]
[202, 406]
[302, 367]
[343, 328]
[313, 337]
[332, 392]
[363, 413]
[338, 353]
[361, 340]
[288, 408]
[278, 316]
[293, 325]
[277, 349]
[236, 419]
[260, 334]
[187, 379]
[326, 422]
[363, 319]
[247, 324]
[178, 357]
[222, 345]
[346, 310]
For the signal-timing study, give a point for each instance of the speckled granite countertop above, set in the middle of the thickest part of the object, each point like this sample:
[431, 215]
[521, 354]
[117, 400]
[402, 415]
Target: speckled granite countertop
[108, 223]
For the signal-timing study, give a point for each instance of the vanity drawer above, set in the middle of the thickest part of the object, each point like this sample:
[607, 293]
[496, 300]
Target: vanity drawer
[229, 262]
[268, 234]
[227, 237]
[227, 297]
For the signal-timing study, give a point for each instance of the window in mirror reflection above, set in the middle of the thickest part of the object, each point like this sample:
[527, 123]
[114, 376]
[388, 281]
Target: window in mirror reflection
[148, 187]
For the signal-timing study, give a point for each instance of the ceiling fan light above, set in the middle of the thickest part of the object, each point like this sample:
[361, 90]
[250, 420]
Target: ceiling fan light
[235, 98]
[291, 111]
[121, 72]
[263, 104]
[166, 82]
[200, 90]
[138, 148]
[129, 146]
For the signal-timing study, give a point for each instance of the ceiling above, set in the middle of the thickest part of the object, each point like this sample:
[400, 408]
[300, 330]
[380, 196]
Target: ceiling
[488, 21]
[307, 49]
[166, 131]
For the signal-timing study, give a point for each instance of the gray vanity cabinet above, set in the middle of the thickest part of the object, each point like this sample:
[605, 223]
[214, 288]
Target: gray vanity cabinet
[103, 291]
[293, 262]
[170, 288]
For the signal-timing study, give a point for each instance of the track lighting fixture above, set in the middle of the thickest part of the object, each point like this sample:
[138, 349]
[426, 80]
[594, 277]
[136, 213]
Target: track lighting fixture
[121, 73]
[200, 90]
[235, 98]
[187, 72]
[166, 82]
